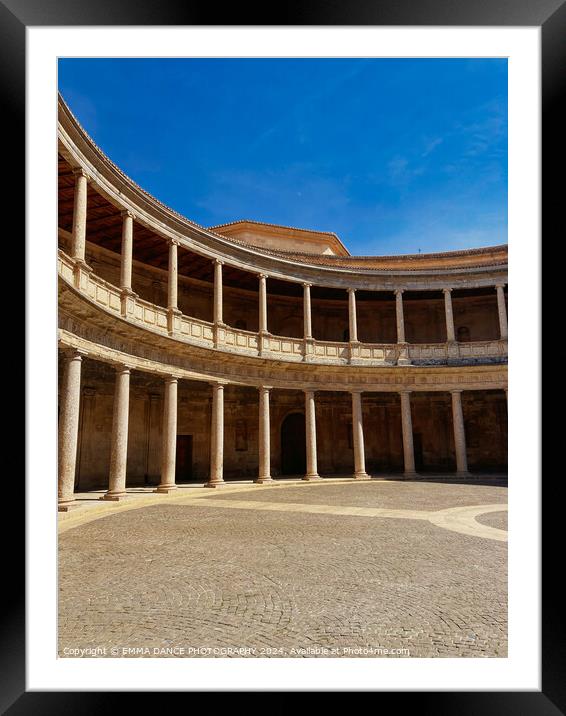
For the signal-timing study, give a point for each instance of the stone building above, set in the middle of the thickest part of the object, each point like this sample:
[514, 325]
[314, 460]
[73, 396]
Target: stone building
[255, 351]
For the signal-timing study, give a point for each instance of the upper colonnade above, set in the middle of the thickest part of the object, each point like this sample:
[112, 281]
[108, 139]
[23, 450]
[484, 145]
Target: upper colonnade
[484, 269]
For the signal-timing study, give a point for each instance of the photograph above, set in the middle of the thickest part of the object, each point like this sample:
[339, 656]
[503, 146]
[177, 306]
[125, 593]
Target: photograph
[268, 261]
[282, 357]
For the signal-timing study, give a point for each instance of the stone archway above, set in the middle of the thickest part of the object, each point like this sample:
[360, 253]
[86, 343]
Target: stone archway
[293, 445]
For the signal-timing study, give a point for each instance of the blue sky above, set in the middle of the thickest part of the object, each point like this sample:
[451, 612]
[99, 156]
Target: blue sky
[394, 155]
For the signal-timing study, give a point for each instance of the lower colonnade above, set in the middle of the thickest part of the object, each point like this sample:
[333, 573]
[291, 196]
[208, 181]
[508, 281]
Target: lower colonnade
[70, 400]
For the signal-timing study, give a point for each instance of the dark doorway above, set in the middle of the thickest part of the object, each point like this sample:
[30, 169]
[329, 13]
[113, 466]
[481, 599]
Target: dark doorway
[184, 458]
[418, 451]
[293, 445]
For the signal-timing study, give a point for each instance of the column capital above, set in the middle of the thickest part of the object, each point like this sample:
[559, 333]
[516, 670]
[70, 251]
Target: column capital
[123, 367]
[306, 284]
[456, 390]
[500, 285]
[173, 242]
[355, 391]
[72, 353]
[351, 290]
[218, 262]
[127, 213]
[218, 384]
[80, 172]
[398, 291]
[262, 276]
[308, 391]
[447, 289]
[405, 391]
[265, 388]
[171, 378]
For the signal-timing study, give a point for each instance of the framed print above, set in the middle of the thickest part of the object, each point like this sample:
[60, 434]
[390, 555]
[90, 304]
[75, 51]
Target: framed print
[270, 258]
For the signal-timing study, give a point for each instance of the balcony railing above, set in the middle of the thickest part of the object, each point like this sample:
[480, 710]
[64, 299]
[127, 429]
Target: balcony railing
[201, 333]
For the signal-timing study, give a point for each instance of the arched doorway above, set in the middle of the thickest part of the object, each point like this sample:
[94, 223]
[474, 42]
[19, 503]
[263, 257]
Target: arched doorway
[293, 445]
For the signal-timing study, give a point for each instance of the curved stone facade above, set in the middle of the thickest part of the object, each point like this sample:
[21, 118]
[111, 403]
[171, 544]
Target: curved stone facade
[186, 351]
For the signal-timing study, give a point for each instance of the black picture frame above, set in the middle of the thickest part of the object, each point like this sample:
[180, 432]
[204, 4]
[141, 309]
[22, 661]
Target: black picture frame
[550, 16]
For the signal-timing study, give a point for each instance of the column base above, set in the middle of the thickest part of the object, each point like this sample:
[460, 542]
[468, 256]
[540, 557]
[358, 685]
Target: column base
[263, 480]
[311, 478]
[403, 358]
[463, 474]
[165, 489]
[308, 349]
[113, 496]
[216, 483]
[127, 301]
[173, 323]
[81, 270]
[82, 265]
[262, 338]
[361, 476]
[410, 475]
[67, 505]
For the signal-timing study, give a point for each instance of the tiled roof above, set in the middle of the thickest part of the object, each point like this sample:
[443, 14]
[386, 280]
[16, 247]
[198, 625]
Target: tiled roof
[276, 226]
[281, 226]
[373, 262]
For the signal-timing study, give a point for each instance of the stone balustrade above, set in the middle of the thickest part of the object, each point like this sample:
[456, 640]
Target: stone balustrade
[233, 340]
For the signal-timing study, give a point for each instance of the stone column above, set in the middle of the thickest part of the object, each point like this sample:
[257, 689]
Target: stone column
[119, 441]
[407, 427]
[403, 348]
[264, 474]
[218, 319]
[308, 341]
[358, 437]
[310, 430]
[353, 322]
[173, 287]
[127, 250]
[307, 319]
[399, 315]
[78, 241]
[173, 275]
[459, 433]
[127, 294]
[263, 304]
[502, 311]
[169, 437]
[450, 333]
[216, 478]
[69, 428]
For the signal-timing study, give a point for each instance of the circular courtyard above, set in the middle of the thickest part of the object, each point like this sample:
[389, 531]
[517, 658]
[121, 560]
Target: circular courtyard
[327, 569]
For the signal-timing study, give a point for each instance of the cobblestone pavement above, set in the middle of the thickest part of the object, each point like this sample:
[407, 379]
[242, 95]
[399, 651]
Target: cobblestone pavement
[171, 578]
[494, 519]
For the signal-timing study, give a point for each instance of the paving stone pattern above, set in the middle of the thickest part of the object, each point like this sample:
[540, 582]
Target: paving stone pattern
[284, 584]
